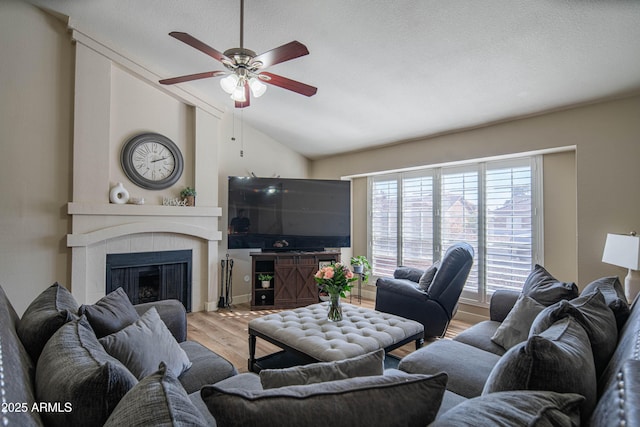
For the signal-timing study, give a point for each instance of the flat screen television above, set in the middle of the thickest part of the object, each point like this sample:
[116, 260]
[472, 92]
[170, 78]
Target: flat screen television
[284, 214]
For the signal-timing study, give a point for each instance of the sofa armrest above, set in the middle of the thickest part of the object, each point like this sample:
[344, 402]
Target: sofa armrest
[502, 301]
[404, 287]
[172, 313]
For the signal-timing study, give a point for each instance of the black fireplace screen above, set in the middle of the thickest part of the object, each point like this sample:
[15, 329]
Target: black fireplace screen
[151, 276]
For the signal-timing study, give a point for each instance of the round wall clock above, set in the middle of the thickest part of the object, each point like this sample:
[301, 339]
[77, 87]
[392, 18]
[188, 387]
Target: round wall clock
[152, 161]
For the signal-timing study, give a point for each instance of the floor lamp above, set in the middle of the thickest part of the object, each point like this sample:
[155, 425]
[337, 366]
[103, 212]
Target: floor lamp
[624, 250]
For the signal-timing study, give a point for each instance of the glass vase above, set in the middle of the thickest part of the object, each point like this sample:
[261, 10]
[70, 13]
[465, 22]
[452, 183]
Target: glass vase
[335, 309]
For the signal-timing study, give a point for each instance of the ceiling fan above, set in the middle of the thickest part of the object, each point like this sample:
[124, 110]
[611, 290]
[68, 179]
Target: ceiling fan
[245, 76]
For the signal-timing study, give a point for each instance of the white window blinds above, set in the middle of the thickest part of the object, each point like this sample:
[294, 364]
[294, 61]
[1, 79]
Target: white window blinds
[415, 216]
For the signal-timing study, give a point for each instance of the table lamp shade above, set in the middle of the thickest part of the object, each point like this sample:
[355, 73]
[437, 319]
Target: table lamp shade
[622, 250]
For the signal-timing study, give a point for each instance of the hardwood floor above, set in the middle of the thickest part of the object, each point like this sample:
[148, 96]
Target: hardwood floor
[225, 332]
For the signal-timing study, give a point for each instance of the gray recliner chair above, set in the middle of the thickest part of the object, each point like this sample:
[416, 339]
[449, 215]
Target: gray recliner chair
[432, 304]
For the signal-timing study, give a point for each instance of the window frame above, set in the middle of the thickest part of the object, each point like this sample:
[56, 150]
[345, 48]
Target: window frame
[483, 295]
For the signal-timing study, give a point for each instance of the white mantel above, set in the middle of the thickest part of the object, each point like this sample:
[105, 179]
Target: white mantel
[195, 221]
[101, 229]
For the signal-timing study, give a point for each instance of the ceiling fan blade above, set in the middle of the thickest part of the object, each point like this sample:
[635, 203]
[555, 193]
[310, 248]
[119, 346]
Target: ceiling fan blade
[285, 83]
[280, 54]
[247, 94]
[190, 77]
[197, 44]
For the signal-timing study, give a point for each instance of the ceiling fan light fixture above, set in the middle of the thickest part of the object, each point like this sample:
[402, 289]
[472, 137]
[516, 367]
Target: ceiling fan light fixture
[257, 87]
[229, 83]
[238, 94]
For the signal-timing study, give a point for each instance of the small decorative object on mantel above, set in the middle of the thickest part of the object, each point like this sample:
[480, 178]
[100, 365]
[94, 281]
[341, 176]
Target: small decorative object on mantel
[136, 200]
[173, 201]
[265, 280]
[118, 194]
[335, 280]
[189, 195]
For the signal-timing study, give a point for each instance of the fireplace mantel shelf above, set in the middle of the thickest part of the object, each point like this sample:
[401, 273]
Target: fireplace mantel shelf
[82, 208]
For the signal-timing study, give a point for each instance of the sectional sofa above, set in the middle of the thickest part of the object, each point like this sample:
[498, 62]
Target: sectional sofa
[115, 364]
[548, 338]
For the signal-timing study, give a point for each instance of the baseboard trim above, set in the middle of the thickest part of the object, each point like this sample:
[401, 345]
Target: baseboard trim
[473, 318]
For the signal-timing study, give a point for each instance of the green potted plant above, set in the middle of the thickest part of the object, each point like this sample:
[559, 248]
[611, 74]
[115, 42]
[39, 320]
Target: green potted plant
[189, 194]
[265, 279]
[361, 265]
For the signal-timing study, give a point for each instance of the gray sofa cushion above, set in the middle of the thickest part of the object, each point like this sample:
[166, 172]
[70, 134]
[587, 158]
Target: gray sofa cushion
[74, 369]
[449, 400]
[479, 336]
[597, 319]
[395, 399]
[613, 293]
[110, 314]
[468, 367]
[157, 400]
[54, 307]
[515, 408]
[360, 366]
[546, 289]
[559, 359]
[207, 367]
[145, 343]
[172, 313]
[515, 328]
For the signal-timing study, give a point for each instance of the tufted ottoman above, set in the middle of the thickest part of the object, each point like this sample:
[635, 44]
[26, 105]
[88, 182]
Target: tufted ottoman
[307, 335]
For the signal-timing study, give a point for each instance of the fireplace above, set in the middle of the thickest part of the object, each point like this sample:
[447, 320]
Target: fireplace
[151, 276]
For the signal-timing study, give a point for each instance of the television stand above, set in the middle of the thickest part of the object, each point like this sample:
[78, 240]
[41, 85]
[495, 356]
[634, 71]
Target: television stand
[293, 284]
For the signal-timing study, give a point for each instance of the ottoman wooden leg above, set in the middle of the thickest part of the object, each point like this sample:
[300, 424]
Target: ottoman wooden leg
[252, 352]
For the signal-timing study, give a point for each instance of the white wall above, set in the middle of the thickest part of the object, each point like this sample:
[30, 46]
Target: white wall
[36, 97]
[607, 137]
[262, 156]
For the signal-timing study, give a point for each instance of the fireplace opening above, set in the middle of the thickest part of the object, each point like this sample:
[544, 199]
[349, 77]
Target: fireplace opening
[151, 276]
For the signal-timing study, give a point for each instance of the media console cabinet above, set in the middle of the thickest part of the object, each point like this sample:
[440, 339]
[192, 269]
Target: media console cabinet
[293, 284]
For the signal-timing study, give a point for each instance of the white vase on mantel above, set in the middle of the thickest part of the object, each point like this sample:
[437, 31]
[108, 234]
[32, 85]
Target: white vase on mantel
[118, 194]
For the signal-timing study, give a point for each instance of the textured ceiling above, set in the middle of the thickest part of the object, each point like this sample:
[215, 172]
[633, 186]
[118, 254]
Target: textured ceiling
[386, 71]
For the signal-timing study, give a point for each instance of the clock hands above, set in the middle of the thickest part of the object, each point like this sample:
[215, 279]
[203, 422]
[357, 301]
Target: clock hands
[158, 160]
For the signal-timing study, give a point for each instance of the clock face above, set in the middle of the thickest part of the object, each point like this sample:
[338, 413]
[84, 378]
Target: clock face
[152, 161]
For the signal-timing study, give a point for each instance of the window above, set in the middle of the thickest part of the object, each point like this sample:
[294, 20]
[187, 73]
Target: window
[415, 216]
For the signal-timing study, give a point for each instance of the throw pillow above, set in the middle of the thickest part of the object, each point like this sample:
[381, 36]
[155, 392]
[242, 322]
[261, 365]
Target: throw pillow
[515, 327]
[75, 370]
[614, 296]
[408, 273]
[559, 359]
[546, 289]
[54, 307]
[145, 343]
[110, 314]
[360, 366]
[515, 408]
[428, 275]
[157, 400]
[392, 399]
[592, 312]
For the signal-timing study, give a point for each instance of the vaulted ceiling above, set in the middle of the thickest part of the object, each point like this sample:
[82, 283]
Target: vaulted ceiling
[386, 71]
